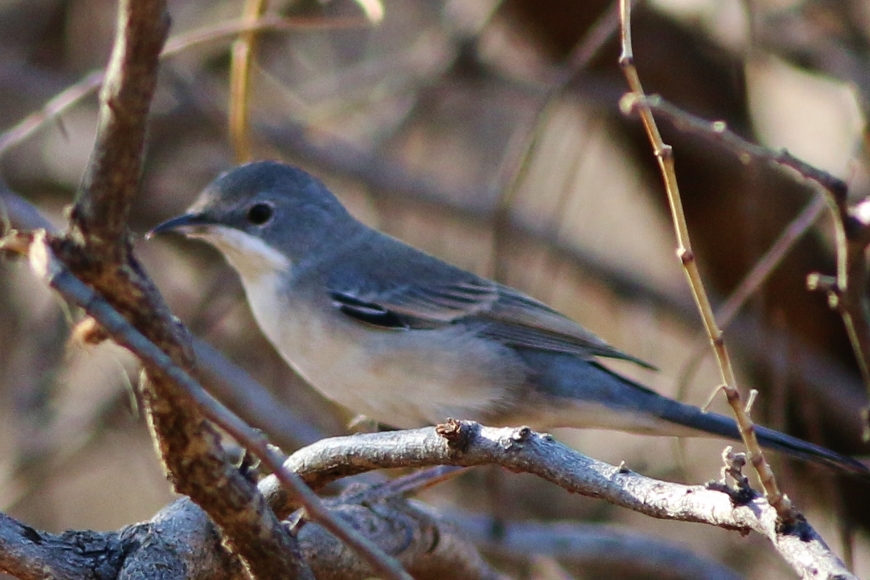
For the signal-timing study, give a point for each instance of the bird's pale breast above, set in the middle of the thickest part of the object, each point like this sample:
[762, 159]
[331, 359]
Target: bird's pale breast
[403, 378]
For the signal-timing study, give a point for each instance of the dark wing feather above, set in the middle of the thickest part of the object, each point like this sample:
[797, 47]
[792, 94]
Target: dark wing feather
[411, 290]
[367, 312]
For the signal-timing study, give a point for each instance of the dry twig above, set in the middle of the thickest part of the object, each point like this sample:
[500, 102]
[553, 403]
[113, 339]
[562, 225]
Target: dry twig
[665, 156]
[243, 51]
[847, 291]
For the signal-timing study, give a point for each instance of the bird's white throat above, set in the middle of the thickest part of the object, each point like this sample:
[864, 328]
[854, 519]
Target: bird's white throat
[249, 255]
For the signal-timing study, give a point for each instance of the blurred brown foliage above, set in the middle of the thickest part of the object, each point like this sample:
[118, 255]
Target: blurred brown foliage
[441, 126]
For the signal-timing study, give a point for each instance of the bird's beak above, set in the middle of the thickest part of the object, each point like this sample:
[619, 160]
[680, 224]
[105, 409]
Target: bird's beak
[182, 223]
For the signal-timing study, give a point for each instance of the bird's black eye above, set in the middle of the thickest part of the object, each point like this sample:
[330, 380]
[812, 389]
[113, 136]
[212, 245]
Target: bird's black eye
[260, 213]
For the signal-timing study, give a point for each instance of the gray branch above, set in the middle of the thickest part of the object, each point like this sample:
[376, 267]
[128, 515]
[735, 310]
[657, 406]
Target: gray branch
[178, 543]
[522, 450]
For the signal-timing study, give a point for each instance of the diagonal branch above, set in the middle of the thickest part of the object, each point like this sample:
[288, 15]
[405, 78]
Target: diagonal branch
[665, 156]
[234, 504]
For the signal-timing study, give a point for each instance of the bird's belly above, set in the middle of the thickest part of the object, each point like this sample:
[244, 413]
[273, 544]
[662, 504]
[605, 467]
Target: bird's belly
[402, 378]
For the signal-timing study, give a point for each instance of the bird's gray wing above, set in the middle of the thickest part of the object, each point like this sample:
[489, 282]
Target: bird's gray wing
[427, 297]
[520, 320]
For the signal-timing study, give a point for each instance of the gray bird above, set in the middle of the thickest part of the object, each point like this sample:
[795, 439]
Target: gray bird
[408, 340]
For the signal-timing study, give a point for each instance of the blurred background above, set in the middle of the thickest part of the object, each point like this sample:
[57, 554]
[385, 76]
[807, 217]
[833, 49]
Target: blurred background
[488, 133]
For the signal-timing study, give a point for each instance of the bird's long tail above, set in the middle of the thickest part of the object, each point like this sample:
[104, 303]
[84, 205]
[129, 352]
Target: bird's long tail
[695, 418]
[581, 393]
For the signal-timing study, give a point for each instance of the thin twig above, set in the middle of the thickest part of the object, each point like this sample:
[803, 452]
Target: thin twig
[750, 283]
[266, 23]
[717, 131]
[243, 51]
[746, 150]
[847, 291]
[665, 157]
[56, 106]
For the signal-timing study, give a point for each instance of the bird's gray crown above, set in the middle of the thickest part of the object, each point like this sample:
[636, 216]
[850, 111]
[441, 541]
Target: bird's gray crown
[284, 206]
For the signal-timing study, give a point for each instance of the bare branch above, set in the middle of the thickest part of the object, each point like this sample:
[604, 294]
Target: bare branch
[183, 544]
[665, 156]
[60, 103]
[181, 531]
[521, 450]
[26, 553]
[180, 541]
[847, 292]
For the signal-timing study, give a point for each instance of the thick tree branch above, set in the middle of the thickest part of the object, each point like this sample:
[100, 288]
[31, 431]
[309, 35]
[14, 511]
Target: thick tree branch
[521, 450]
[27, 553]
[180, 542]
[180, 537]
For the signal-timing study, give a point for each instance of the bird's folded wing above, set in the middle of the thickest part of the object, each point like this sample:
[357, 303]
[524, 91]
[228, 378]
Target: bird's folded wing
[522, 321]
[493, 310]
